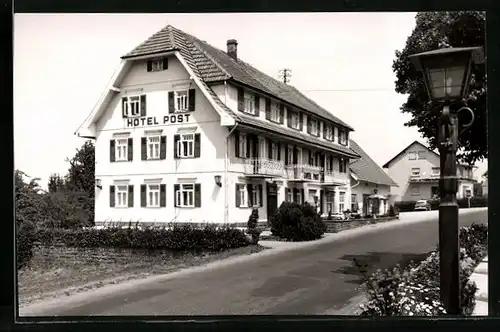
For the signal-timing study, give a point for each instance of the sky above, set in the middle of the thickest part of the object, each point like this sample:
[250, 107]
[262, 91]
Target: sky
[343, 61]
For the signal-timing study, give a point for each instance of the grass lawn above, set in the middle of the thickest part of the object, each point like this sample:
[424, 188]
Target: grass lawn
[68, 277]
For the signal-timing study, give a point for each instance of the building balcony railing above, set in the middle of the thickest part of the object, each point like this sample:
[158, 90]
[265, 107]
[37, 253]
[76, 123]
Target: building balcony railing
[335, 177]
[304, 173]
[264, 166]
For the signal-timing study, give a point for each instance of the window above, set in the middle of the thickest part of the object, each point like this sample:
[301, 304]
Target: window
[185, 146]
[181, 101]
[274, 151]
[415, 190]
[121, 196]
[289, 196]
[255, 196]
[250, 105]
[415, 171]
[435, 171]
[329, 132]
[313, 123]
[153, 197]
[156, 65]
[342, 165]
[275, 113]
[295, 120]
[343, 137]
[242, 195]
[290, 155]
[242, 146]
[184, 196]
[468, 193]
[330, 198]
[153, 149]
[354, 202]
[341, 201]
[421, 154]
[412, 155]
[121, 149]
[298, 196]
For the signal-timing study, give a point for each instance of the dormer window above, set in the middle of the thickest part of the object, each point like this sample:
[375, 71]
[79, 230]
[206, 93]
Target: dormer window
[275, 113]
[328, 133]
[250, 104]
[343, 137]
[312, 126]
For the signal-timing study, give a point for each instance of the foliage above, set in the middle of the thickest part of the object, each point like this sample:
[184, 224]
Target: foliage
[434, 30]
[414, 290]
[296, 222]
[25, 238]
[179, 238]
[29, 205]
[56, 183]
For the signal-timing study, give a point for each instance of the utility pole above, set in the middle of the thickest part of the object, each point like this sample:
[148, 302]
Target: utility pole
[285, 75]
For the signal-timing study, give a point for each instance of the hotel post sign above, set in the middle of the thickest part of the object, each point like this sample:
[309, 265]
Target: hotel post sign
[147, 121]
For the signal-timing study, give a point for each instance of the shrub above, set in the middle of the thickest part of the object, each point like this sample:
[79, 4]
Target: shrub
[181, 238]
[252, 229]
[414, 290]
[24, 243]
[296, 222]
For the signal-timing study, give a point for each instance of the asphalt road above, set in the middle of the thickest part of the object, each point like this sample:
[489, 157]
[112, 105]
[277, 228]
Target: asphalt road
[317, 279]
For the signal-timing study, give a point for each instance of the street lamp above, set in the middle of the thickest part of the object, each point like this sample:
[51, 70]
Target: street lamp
[447, 74]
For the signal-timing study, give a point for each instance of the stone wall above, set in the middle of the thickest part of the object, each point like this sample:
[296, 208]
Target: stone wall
[338, 226]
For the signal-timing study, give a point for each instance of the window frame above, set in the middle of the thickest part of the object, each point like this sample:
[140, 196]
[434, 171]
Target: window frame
[343, 137]
[255, 196]
[413, 171]
[330, 201]
[275, 113]
[295, 116]
[180, 146]
[329, 132]
[179, 94]
[249, 104]
[415, 190]
[157, 65]
[419, 153]
[354, 201]
[412, 153]
[243, 194]
[243, 142]
[315, 128]
[290, 155]
[119, 189]
[121, 142]
[341, 201]
[289, 195]
[153, 144]
[154, 191]
[274, 151]
[435, 173]
[133, 100]
[179, 197]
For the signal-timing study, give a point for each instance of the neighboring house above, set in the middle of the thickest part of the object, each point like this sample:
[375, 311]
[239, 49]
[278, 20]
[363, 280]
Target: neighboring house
[368, 178]
[188, 133]
[485, 184]
[416, 171]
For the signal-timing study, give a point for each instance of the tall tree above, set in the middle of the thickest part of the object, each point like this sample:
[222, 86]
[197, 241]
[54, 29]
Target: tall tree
[56, 183]
[29, 204]
[434, 30]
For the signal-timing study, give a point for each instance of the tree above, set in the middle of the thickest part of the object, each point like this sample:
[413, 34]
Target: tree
[81, 178]
[29, 204]
[434, 30]
[56, 183]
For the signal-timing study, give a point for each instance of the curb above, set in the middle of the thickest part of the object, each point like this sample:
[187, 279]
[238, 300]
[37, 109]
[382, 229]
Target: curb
[480, 277]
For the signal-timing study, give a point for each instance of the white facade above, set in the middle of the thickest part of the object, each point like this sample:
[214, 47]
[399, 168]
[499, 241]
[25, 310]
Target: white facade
[151, 184]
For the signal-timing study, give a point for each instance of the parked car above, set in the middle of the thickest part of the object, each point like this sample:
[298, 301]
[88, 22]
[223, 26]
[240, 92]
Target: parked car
[422, 205]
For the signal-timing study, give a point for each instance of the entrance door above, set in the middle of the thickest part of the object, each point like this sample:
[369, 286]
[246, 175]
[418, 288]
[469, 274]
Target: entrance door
[272, 200]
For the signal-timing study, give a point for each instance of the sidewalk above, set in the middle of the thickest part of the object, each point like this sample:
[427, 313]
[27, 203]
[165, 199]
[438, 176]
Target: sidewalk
[480, 276]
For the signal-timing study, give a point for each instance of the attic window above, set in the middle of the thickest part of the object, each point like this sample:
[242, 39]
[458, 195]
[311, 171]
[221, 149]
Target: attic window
[343, 137]
[157, 64]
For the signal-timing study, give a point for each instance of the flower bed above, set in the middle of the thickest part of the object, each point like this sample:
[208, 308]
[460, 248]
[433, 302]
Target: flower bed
[414, 290]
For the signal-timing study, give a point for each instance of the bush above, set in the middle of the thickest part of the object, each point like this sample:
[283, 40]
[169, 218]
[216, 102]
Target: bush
[24, 243]
[414, 290]
[181, 238]
[296, 222]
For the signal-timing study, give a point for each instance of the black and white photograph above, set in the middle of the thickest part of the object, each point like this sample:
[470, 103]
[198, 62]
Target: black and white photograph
[251, 164]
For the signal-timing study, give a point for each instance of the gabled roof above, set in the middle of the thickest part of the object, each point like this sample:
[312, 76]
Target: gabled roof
[214, 65]
[368, 170]
[386, 165]
[404, 150]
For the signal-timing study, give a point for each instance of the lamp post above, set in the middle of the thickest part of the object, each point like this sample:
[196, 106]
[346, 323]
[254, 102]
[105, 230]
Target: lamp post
[446, 75]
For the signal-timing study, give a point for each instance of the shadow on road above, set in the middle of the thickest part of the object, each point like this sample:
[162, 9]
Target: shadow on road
[372, 261]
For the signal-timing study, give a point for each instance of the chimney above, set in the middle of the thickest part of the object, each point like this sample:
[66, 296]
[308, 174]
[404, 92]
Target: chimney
[232, 48]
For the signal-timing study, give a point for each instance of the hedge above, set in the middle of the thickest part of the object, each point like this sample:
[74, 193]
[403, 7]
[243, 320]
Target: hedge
[178, 238]
[408, 206]
[297, 222]
[414, 290]
[25, 238]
